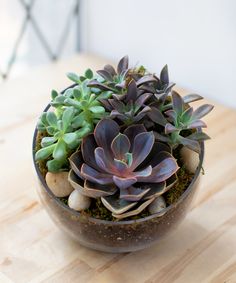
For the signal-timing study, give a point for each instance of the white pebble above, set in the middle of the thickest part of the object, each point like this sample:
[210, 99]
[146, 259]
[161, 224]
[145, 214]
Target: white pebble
[58, 183]
[78, 202]
[190, 159]
[157, 205]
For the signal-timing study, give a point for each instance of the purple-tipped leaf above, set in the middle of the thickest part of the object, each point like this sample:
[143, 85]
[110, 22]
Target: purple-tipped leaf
[156, 116]
[178, 104]
[96, 190]
[117, 205]
[104, 161]
[106, 75]
[144, 172]
[164, 76]
[76, 161]
[105, 131]
[132, 92]
[99, 85]
[197, 124]
[117, 104]
[202, 111]
[170, 128]
[120, 146]
[124, 183]
[162, 171]
[191, 98]
[145, 79]
[142, 99]
[110, 70]
[88, 147]
[121, 168]
[171, 114]
[94, 176]
[132, 131]
[155, 189]
[142, 146]
[123, 65]
[135, 211]
[191, 144]
[133, 193]
[199, 136]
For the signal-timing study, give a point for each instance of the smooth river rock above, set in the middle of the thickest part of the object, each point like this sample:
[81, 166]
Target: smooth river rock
[157, 205]
[58, 183]
[190, 159]
[78, 202]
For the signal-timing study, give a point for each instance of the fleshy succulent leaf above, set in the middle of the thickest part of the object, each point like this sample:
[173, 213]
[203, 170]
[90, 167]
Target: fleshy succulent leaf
[93, 175]
[133, 194]
[164, 76]
[123, 65]
[44, 152]
[191, 98]
[191, 144]
[120, 146]
[124, 182]
[199, 136]
[162, 171]
[60, 150]
[142, 146]
[178, 104]
[156, 116]
[104, 133]
[202, 111]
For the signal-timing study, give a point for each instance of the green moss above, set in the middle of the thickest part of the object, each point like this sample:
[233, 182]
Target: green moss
[42, 163]
[184, 179]
[64, 200]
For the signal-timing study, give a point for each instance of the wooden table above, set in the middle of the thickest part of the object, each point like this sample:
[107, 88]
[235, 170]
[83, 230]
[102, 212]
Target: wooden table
[32, 249]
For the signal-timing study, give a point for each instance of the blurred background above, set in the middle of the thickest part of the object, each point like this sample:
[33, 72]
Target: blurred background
[197, 39]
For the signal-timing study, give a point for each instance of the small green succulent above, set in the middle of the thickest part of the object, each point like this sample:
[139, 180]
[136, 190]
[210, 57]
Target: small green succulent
[88, 109]
[61, 140]
[76, 113]
[182, 125]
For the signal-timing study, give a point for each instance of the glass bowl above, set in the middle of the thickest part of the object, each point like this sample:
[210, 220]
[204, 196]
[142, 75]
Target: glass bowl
[120, 236]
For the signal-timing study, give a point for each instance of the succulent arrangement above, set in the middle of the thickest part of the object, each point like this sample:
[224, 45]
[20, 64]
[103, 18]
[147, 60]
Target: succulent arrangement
[118, 134]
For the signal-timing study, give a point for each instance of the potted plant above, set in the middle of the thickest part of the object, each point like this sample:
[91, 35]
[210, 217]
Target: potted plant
[118, 156]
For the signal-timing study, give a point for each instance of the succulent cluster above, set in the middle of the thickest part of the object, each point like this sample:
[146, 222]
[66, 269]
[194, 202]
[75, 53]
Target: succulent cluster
[115, 132]
[76, 111]
[127, 170]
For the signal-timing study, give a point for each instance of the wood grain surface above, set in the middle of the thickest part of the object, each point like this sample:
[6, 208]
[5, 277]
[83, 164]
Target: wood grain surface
[33, 250]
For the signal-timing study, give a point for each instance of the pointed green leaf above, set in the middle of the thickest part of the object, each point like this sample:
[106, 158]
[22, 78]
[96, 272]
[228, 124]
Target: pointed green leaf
[77, 93]
[44, 153]
[59, 151]
[73, 77]
[55, 165]
[78, 121]
[52, 119]
[54, 94]
[67, 117]
[46, 141]
[89, 74]
[199, 136]
[69, 138]
[50, 130]
[97, 109]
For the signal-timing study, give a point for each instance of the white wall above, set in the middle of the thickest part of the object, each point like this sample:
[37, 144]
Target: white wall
[197, 39]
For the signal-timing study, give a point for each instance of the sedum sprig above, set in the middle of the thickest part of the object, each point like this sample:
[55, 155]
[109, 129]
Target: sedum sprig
[61, 140]
[76, 112]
